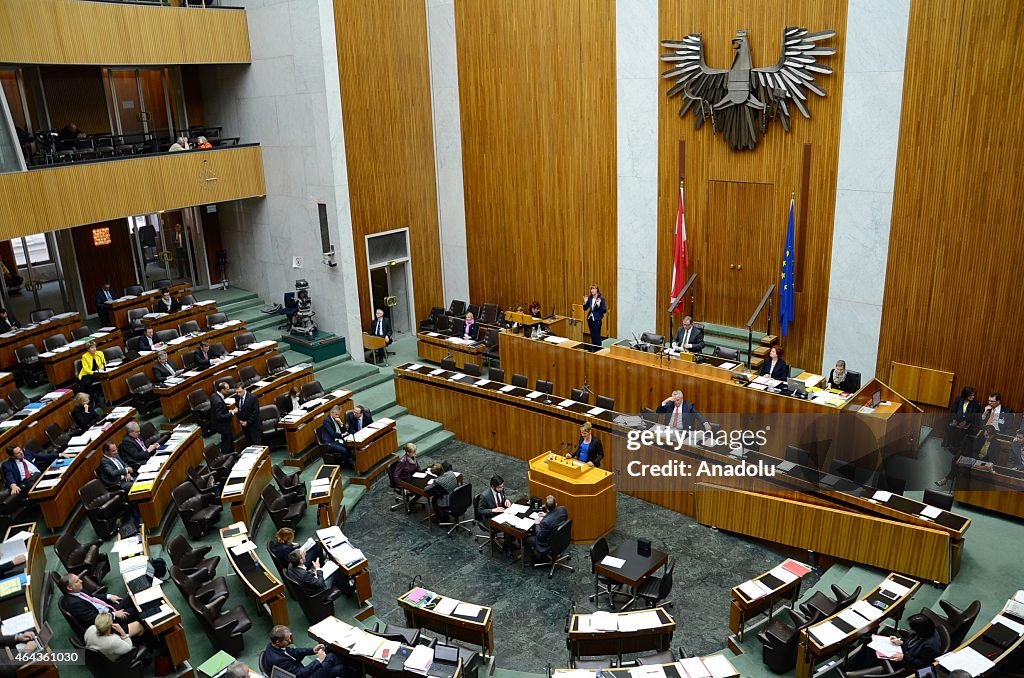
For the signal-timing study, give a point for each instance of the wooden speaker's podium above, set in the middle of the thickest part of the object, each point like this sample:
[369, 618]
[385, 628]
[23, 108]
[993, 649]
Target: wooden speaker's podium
[587, 493]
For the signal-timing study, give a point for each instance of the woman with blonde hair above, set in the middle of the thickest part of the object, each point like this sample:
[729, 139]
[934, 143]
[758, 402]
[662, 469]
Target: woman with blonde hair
[107, 638]
[83, 413]
[589, 449]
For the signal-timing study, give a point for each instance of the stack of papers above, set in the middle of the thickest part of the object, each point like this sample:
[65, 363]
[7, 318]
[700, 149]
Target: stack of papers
[447, 605]
[826, 633]
[420, 659]
[330, 629]
[754, 589]
[15, 625]
[609, 561]
[867, 610]
[467, 610]
[133, 565]
[966, 659]
[604, 621]
[638, 621]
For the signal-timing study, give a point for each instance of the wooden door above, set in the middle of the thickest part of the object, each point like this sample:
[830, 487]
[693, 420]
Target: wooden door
[744, 249]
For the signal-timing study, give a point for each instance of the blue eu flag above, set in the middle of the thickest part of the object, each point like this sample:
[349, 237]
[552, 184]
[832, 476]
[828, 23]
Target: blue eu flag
[787, 302]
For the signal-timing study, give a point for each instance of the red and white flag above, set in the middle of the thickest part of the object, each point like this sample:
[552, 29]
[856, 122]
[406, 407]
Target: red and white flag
[680, 257]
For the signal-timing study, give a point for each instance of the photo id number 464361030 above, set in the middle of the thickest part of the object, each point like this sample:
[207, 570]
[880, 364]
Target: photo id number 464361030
[65, 657]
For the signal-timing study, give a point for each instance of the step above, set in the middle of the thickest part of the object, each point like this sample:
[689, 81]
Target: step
[412, 429]
[369, 382]
[348, 374]
[379, 397]
[434, 441]
[393, 412]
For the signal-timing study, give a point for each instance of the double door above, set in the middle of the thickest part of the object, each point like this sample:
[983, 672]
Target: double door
[167, 246]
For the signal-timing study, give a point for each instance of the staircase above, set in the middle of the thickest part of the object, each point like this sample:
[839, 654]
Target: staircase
[734, 337]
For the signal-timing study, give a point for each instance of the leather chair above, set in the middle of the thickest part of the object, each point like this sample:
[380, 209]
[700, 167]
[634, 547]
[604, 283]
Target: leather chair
[196, 584]
[80, 558]
[188, 327]
[459, 502]
[449, 364]
[457, 308]
[130, 665]
[104, 508]
[545, 387]
[248, 376]
[188, 360]
[187, 300]
[80, 332]
[57, 436]
[666, 657]
[269, 418]
[141, 388]
[475, 310]
[5, 411]
[655, 590]
[852, 383]
[310, 391]
[402, 634]
[135, 344]
[556, 554]
[429, 323]
[827, 606]
[134, 290]
[493, 343]
[216, 319]
[488, 314]
[54, 342]
[282, 566]
[496, 374]
[161, 283]
[472, 369]
[227, 379]
[218, 350]
[198, 512]
[163, 336]
[727, 353]
[779, 640]
[316, 607]
[393, 484]
[652, 338]
[443, 324]
[957, 622]
[244, 339]
[605, 586]
[17, 399]
[30, 371]
[151, 435]
[207, 483]
[605, 402]
[192, 561]
[226, 629]
[283, 512]
[219, 464]
[289, 483]
[77, 629]
[135, 317]
[520, 380]
[113, 353]
[276, 363]
[942, 500]
[885, 669]
[283, 402]
[579, 395]
[199, 404]
[40, 315]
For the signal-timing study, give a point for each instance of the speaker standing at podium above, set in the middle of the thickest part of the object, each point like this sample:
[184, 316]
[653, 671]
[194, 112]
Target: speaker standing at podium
[589, 449]
[596, 307]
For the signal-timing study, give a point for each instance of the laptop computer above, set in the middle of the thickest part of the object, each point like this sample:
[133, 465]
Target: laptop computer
[797, 387]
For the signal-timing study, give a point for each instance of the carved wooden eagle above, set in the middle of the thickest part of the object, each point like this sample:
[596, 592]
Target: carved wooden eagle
[742, 101]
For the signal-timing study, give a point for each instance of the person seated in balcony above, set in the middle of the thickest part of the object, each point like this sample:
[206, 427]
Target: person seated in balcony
[180, 145]
[204, 143]
[71, 131]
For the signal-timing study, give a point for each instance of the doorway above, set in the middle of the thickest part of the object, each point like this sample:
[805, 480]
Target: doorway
[138, 102]
[390, 271]
[166, 247]
[33, 276]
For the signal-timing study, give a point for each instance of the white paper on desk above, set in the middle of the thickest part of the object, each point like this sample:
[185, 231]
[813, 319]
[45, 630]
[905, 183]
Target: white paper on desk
[236, 488]
[893, 587]
[415, 366]
[655, 671]
[517, 509]
[420, 659]
[467, 610]
[21, 536]
[148, 475]
[966, 659]
[566, 403]
[881, 496]
[244, 547]
[502, 518]
[47, 483]
[583, 624]
[521, 523]
[320, 481]
[867, 610]
[348, 554]
[329, 568]
[15, 625]
[308, 543]
[457, 377]
[1016, 627]
[884, 646]
[149, 595]
[610, 561]
[331, 535]
[754, 589]
[779, 572]
[648, 619]
[931, 512]
[446, 605]
[534, 394]
[693, 667]
[436, 372]
[720, 666]
[594, 411]
[133, 563]
[827, 634]
[506, 388]
[331, 630]
[127, 547]
[604, 621]
[851, 617]
[164, 611]
[234, 540]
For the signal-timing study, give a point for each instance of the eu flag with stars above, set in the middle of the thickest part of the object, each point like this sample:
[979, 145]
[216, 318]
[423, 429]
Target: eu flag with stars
[787, 302]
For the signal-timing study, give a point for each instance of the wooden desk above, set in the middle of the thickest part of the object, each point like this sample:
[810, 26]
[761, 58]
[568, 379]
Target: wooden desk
[745, 606]
[269, 388]
[170, 321]
[259, 582]
[373, 444]
[723, 667]
[498, 524]
[165, 470]
[25, 426]
[326, 495]
[351, 561]
[118, 308]
[34, 333]
[299, 430]
[174, 397]
[56, 490]
[29, 600]
[250, 474]
[584, 642]
[114, 379]
[434, 347]
[1003, 658]
[60, 365]
[477, 629]
[166, 625]
[634, 571]
[1000, 489]
[811, 650]
[6, 384]
[587, 493]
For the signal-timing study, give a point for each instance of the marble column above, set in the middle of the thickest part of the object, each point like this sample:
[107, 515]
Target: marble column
[876, 45]
[637, 69]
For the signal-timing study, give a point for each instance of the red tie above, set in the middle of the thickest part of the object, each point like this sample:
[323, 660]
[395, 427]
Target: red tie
[675, 417]
[24, 469]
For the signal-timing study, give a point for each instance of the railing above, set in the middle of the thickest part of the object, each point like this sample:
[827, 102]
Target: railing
[766, 299]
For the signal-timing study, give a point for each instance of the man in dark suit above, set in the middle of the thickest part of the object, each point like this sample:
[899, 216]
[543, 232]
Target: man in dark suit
[114, 472]
[381, 327]
[307, 572]
[104, 296]
[133, 450]
[333, 432]
[493, 500]
[681, 414]
[358, 418]
[248, 407]
[690, 337]
[84, 607]
[148, 342]
[280, 653]
[202, 355]
[166, 303]
[22, 468]
[7, 321]
[220, 417]
[547, 522]
[164, 368]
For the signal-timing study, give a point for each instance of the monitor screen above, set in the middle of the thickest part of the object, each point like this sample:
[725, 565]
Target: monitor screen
[876, 398]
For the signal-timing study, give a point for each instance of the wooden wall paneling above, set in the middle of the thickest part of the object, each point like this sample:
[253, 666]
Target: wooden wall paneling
[75, 94]
[117, 257]
[537, 95]
[191, 84]
[384, 62]
[954, 247]
[115, 34]
[777, 161]
[87, 193]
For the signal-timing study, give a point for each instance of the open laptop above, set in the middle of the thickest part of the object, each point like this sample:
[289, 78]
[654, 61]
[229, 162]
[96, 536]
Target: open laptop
[797, 387]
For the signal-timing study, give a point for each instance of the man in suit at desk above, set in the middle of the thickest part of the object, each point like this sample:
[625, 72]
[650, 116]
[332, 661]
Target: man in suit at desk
[22, 468]
[148, 342]
[333, 432]
[359, 418]
[282, 654]
[113, 471]
[547, 521]
[133, 450]
[308, 575]
[104, 296]
[7, 321]
[248, 408]
[995, 413]
[166, 303]
[164, 368]
[690, 337]
[681, 414]
[202, 355]
[84, 608]
[220, 417]
[381, 327]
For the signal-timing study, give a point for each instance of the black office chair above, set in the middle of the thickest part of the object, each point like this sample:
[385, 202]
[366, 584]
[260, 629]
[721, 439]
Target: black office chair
[488, 314]
[459, 502]
[457, 308]
[54, 342]
[402, 634]
[826, 606]
[219, 464]
[311, 391]
[605, 586]
[206, 482]
[666, 657]
[226, 629]
[81, 332]
[104, 508]
[192, 561]
[188, 327]
[942, 500]
[57, 436]
[199, 512]
[316, 607]
[579, 395]
[247, 376]
[556, 553]
[605, 402]
[218, 350]
[727, 353]
[151, 435]
[652, 338]
[81, 559]
[449, 364]
[496, 374]
[196, 584]
[545, 387]
[199, 405]
[135, 317]
[520, 380]
[852, 383]
[113, 353]
[957, 622]
[216, 319]
[30, 371]
[393, 484]
[481, 522]
[17, 399]
[134, 290]
[270, 416]
[288, 483]
[284, 511]
[40, 315]
[276, 363]
[779, 640]
[244, 339]
[161, 283]
[655, 590]
[187, 300]
[141, 389]
[472, 369]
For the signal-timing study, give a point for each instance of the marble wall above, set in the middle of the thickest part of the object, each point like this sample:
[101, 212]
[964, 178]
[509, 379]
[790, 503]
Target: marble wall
[451, 202]
[876, 45]
[289, 101]
[637, 70]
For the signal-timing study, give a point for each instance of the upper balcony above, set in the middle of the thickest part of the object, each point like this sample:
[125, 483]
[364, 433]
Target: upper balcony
[119, 33]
